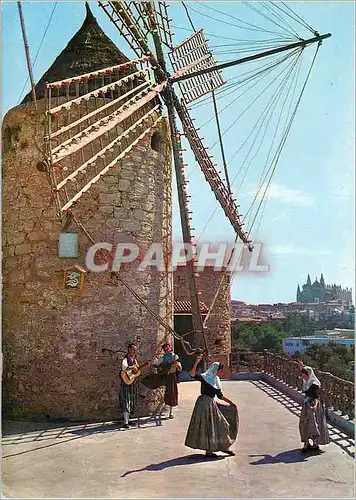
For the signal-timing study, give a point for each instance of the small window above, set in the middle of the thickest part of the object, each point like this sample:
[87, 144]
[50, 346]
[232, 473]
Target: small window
[68, 245]
[157, 142]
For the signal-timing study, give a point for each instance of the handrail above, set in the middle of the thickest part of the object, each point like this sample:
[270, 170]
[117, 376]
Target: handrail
[336, 393]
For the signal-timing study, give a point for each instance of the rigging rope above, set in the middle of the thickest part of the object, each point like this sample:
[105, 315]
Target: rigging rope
[270, 150]
[267, 69]
[280, 18]
[268, 186]
[302, 21]
[188, 15]
[266, 17]
[267, 119]
[254, 27]
[214, 34]
[230, 87]
[277, 156]
[266, 108]
[137, 296]
[38, 51]
[243, 112]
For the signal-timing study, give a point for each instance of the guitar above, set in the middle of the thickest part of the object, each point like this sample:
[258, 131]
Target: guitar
[166, 369]
[131, 373]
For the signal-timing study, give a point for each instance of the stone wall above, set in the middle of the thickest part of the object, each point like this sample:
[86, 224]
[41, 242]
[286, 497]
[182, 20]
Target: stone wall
[218, 331]
[53, 337]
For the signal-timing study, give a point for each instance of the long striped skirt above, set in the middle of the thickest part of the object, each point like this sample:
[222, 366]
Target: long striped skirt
[128, 397]
[313, 425]
[212, 427]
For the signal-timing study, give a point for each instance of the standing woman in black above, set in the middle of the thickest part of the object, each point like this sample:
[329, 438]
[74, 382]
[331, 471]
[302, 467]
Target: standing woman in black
[209, 429]
[312, 423]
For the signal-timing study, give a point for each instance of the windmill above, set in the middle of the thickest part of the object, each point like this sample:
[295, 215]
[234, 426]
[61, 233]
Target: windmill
[132, 95]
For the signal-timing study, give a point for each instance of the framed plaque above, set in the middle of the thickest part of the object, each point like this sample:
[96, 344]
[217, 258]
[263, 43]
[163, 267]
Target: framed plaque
[73, 278]
[68, 245]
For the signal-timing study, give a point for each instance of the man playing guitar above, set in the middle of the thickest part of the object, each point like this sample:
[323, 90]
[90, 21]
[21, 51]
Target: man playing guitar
[128, 395]
[168, 363]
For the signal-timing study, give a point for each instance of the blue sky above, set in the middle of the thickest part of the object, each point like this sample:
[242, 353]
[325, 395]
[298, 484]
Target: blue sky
[308, 222]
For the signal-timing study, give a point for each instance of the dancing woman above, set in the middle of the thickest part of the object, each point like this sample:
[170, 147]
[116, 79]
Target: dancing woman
[312, 423]
[209, 430]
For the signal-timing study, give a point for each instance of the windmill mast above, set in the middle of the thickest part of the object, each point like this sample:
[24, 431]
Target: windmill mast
[197, 319]
[218, 67]
[124, 20]
[27, 52]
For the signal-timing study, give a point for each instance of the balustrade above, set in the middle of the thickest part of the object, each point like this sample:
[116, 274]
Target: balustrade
[336, 393]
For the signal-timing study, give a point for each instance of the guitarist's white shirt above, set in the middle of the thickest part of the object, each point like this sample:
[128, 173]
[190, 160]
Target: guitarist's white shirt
[125, 364]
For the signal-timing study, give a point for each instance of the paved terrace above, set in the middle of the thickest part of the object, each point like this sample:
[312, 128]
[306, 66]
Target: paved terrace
[99, 461]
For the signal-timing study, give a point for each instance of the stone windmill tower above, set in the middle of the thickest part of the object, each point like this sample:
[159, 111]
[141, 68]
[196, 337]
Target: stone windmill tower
[53, 333]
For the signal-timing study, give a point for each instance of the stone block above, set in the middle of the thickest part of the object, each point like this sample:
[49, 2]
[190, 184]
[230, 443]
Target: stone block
[124, 185]
[15, 238]
[121, 213]
[130, 225]
[9, 250]
[127, 174]
[111, 179]
[23, 248]
[109, 199]
[139, 214]
[37, 236]
[106, 209]
[26, 226]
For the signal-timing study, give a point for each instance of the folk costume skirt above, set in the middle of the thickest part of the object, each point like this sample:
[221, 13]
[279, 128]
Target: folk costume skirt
[171, 394]
[212, 427]
[128, 397]
[313, 425]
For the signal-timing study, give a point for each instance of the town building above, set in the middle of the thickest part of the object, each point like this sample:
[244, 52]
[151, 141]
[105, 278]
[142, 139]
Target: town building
[332, 314]
[319, 291]
[291, 345]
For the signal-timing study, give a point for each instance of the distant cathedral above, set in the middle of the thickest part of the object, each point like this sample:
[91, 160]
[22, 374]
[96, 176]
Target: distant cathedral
[320, 292]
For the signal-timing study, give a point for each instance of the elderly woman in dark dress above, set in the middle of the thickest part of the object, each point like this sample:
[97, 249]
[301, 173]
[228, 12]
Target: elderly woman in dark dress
[312, 423]
[209, 429]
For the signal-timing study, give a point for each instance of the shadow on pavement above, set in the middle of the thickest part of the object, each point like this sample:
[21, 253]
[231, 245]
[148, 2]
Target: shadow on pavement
[286, 457]
[176, 462]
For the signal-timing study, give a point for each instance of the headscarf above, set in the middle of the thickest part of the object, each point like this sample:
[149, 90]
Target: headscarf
[311, 380]
[210, 376]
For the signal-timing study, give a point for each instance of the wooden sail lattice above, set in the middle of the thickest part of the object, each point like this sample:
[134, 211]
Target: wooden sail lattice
[192, 55]
[182, 60]
[211, 174]
[134, 29]
[96, 119]
[93, 122]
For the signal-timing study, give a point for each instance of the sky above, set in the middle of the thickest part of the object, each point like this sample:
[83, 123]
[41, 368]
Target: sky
[307, 224]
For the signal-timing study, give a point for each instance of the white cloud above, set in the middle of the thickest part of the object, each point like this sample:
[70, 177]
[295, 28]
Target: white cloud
[287, 248]
[286, 195]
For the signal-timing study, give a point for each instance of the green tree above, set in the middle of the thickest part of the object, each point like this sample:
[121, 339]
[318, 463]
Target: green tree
[333, 358]
[298, 325]
[257, 337]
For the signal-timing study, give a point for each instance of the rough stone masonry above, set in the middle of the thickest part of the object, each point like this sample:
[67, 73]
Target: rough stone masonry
[53, 337]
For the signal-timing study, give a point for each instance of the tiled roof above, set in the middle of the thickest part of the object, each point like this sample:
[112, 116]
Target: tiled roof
[184, 307]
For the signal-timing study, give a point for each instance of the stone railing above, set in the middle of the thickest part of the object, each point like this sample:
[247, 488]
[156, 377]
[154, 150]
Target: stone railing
[247, 361]
[336, 393]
